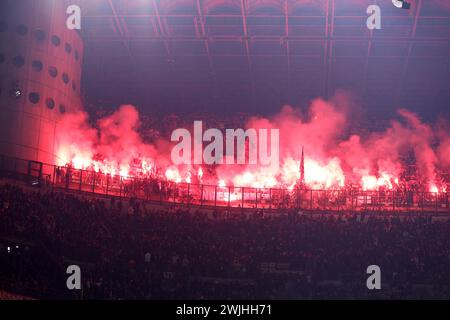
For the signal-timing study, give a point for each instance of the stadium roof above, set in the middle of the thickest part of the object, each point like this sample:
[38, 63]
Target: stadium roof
[254, 54]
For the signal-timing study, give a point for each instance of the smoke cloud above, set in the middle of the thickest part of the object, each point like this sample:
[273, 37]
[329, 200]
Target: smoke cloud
[334, 155]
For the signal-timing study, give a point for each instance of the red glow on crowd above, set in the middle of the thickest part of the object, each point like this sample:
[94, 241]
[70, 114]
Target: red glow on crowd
[334, 158]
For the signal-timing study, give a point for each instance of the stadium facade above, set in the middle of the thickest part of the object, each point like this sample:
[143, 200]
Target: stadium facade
[40, 63]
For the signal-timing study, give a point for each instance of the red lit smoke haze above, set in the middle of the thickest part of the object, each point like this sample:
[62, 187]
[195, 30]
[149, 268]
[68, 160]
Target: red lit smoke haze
[333, 156]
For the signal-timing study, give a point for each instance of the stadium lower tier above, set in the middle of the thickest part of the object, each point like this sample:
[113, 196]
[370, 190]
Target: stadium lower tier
[137, 250]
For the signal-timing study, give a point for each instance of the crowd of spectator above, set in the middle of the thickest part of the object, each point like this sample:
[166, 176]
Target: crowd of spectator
[134, 250]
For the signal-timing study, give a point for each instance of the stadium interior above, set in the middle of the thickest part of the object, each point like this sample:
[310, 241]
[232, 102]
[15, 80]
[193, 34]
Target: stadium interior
[87, 176]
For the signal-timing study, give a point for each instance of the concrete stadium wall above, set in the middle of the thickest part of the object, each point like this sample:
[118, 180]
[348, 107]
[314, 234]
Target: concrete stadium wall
[40, 67]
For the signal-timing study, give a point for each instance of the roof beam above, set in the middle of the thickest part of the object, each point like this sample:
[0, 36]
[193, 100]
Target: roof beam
[180, 15]
[277, 38]
[122, 33]
[203, 34]
[329, 23]
[246, 42]
[288, 50]
[161, 34]
[366, 62]
[408, 56]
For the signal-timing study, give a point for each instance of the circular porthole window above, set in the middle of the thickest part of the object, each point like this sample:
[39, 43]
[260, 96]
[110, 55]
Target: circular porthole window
[37, 65]
[68, 48]
[62, 108]
[53, 71]
[50, 103]
[40, 35]
[18, 61]
[65, 78]
[56, 41]
[34, 97]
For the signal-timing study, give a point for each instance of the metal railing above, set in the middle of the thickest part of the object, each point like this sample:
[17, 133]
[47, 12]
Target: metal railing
[189, 194]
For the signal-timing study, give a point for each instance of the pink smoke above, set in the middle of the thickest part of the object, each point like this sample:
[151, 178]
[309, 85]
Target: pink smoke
[334, 156]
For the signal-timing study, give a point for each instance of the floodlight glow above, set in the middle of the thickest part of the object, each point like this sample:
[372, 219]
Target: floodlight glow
[401, 4]
[397, 3]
